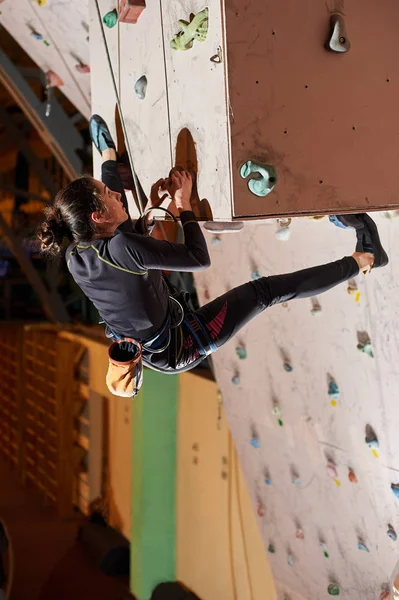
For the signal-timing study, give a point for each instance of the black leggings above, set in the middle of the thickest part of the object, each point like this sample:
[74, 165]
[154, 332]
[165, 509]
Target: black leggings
[224, 317]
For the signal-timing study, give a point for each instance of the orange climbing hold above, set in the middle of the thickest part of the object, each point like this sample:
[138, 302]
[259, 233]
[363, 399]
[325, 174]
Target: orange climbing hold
[352, 476]
[130, 10]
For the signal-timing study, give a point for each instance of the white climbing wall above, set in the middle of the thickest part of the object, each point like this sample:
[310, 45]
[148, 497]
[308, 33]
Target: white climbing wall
[64, 25]
[337, 513]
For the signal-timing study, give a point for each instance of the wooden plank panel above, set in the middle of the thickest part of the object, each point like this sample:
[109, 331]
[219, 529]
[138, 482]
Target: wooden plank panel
[147, 122]
[198, 101]
[323, 119]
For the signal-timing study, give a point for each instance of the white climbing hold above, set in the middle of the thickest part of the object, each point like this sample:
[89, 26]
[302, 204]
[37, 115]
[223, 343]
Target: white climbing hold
[339, 40]
[140, 87]
[283, 234]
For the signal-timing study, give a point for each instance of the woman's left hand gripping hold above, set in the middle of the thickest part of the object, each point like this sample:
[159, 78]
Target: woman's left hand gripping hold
[157, 196]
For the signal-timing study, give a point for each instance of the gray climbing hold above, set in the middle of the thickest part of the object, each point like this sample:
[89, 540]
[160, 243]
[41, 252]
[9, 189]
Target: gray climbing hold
[339, 40]
[264, 180]
[371, 438]
[392, 533]
[141, 87]
[236, 380]
[290, 560]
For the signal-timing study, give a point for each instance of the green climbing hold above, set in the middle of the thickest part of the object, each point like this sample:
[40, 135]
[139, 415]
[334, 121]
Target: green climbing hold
[271, 549]
[366, 349]
[280, 422]
[46, 43]
[111, 18]
[241, 352]
[197, 29]
[333, 589]
[287, 367]
[264, 180]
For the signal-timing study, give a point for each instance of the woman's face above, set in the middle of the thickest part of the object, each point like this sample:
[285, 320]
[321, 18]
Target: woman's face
[115, 214]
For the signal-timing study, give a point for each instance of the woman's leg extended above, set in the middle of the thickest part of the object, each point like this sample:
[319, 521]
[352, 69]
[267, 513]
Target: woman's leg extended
[226, 315]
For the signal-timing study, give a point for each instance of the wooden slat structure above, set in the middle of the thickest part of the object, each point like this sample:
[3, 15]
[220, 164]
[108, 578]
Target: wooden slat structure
[39, 390]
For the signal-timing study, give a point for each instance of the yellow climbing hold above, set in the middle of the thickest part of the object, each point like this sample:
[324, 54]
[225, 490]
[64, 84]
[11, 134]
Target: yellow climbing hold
[338, 483]
[333, 403]
[197, 29]
[356, 294]
[375, 453]
[41, 2]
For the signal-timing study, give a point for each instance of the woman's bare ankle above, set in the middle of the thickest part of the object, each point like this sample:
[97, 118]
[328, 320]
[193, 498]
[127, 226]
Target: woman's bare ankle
[108, 154]
[365, 261]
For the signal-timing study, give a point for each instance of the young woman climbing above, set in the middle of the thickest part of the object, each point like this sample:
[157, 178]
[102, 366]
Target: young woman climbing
[119, 267]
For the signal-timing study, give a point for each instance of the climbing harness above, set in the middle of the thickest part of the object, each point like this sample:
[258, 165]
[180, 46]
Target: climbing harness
[135, 179]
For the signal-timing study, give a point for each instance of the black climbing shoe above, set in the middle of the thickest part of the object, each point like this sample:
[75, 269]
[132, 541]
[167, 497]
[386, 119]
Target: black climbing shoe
[368, 239]
[100, 135]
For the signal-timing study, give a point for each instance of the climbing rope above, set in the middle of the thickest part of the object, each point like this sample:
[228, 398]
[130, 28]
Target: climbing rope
[129, 152]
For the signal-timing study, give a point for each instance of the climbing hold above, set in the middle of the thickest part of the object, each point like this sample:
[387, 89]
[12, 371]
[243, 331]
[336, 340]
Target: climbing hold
[241, 352]
[255, 275]
[283, 234]
[52, 80]
[299, 534]
[295, 480]
[384, 596]
[218, 57]
[224, 226]
[333, 589]
[353, 291]
[260, 510]
[339, 40]
[279, 421]
[366, 349]
[236, 379]
[130, 10]
[271, 549]
[111, 18]
[362, 546]
[276, 410]
[46, 43]
[36, 35]
[265, 179]
[255, 442]
[352, 476]
[216, 240]
[290, 560]
[331, 470]
[395, 489]
[371, 438]
[392, 533]
[82, 68]
[140, 87]
[316, 308]
[197, 29]
[323, 546]
[333, 390]
[207, 295]
[287, 367]
[41, 2]
[268, 481]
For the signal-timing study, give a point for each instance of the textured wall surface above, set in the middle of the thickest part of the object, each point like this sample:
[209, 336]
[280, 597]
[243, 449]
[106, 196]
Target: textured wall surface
[64, 26]
[337, 513]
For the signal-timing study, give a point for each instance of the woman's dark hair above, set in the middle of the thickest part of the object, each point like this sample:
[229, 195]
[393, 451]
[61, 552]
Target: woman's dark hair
[70, 215]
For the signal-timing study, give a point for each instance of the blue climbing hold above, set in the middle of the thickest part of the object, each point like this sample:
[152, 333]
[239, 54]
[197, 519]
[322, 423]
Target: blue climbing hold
[395, 489]
[392, 533]
[255, 443]
[36, 35]
[216, 240]
[362, 546]
[255, 275]
[335, 221]
[288, 367]
[236, 380]
[268, 481]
